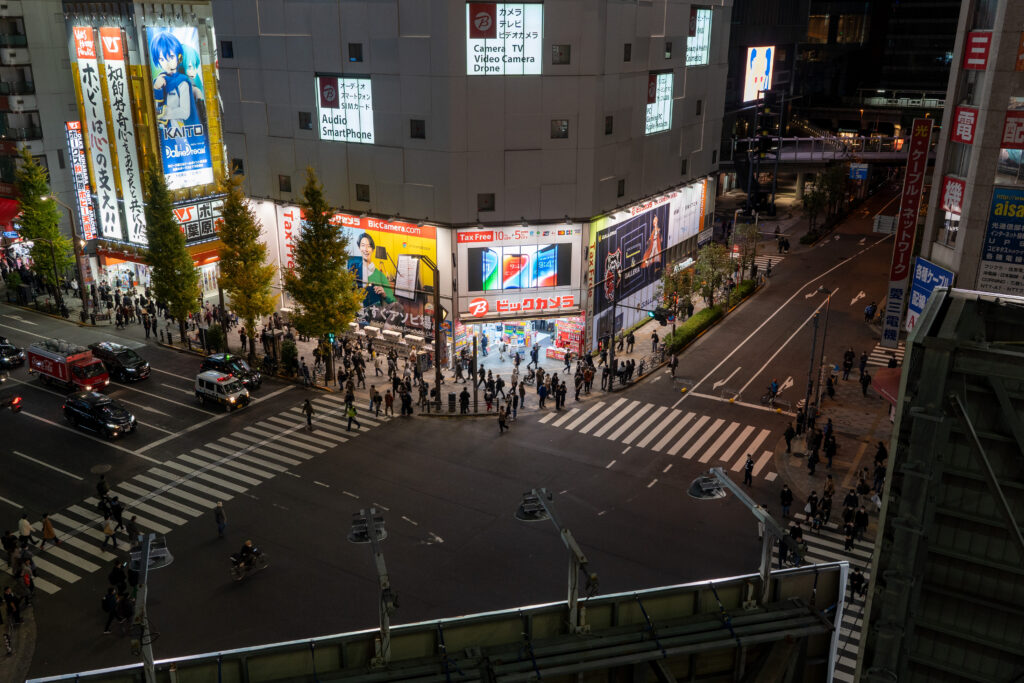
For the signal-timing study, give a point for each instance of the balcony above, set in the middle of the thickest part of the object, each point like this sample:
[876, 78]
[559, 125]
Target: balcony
[13, 40]
[18, 104]
[14, 56]
[17, 88]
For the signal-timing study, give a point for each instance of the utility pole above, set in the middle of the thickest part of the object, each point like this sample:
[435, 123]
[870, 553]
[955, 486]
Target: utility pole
[148, 554]
[611, 345]
[437, 326]
[368, 527]
[476, 402]
[821, 356]
[810, 375]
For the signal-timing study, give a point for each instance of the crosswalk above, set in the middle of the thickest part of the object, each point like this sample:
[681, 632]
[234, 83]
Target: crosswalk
[828, 546]
[671, 431]
[880, 355]
[171, 494]
[763, 260]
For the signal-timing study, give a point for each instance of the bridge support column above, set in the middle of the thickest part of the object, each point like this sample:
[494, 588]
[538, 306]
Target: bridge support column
[801, 180]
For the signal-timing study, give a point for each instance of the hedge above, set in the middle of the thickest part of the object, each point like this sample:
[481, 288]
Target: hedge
[688, 331]
[741, 292]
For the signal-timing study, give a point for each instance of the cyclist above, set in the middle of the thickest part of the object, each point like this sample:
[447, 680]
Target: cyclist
[246, 555]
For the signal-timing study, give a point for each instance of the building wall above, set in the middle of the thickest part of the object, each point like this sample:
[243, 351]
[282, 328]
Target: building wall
[484, 134]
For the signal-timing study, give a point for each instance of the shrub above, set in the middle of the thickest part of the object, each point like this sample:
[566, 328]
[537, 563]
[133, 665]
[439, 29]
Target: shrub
[289, 356]
[689, 330]
[215, 338]
[742, 291]
[14, 279]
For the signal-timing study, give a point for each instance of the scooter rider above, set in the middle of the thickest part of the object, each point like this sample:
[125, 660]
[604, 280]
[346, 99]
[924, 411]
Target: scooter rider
[246, 555]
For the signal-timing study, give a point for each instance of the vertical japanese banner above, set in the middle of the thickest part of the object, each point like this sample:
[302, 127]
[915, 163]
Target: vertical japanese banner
[906, 226]
[80, 178]
[97, 135]
[119, 98]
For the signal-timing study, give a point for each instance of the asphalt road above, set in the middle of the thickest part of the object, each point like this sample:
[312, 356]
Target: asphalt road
[618, 466]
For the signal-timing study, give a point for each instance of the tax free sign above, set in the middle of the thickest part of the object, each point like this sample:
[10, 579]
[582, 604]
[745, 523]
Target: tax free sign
[504, 38]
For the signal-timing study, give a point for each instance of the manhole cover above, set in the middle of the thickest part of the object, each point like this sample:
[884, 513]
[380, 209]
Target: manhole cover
[99, 469]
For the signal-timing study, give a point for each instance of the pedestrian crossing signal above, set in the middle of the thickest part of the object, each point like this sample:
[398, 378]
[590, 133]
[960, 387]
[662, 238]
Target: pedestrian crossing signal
[660, 314]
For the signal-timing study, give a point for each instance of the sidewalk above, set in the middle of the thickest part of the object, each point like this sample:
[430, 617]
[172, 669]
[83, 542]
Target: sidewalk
[15, 666]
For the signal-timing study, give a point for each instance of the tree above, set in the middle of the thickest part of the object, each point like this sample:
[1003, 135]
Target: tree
[814, 203]
[244, 272]
[712, 267]
[833, 184]
[746, 237]
[676, 288]
[324, 289]
[174, 277]
[51, 252]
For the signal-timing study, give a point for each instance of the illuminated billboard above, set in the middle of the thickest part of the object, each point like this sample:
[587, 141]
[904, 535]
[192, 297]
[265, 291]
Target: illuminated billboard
[181, 110]
[504, 38]
[659, 103]
[759, 69]
[513, 271]
[80, 178]
[698, 42]
[344, 109]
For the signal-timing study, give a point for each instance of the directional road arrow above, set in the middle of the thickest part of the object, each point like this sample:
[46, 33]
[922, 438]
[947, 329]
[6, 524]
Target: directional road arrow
[860, 295]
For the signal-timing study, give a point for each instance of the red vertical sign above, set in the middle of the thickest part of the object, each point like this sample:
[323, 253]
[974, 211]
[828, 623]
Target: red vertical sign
[976, 49]
[906, 226]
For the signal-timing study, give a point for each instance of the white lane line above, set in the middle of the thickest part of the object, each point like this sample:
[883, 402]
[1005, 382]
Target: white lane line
[631, 421]
[12, 503]
[546, 418]
[675, 430]
[645, 425]
[610, 420]
[320, 483]
[731, 451]
[597, 420]
[626, 450]
[381, 507]
[12, 327]
[351, 495]
[143, 406]
[765, 458]
[656, 379]
[203, 423]
[46, 464]
[583, 418]
[188, 392]
[667, 468]
[565, 418]
[165, 372]
[159, 497]
[410, 521]
[105, 442]
[700, 442]
[292, 474]
[22, 320]
[609, 465]
[676, 404]
[190, 406]
[778, 310]
[653, 482]
[669, 420]
[723, 437]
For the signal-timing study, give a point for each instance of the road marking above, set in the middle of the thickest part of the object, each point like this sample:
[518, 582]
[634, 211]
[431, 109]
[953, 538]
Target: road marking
[292, 474]
[190, 392]
[46, 464]
[601, 513]
[583, 418]
[190, 406]
[143, 407]
[351, 495]
[382, 507]
[204, 476]
[190, 380]
[597, 420]
[669, 420]
[675, 430]
[410, 521]
[607, 467]
[770, 476]
[762, 461]
[696, 427]
[778, 310]
[674, 405]
[610, 420]
[108, 444]
[546, 418]
[723, 437]
[667, 468]
[630, 422]
[655, 379]
[22, 320]
[731, 451]
[626, 450]
[320, 483]
[653, 482]
[723, 381]
[565, 418]
[178, 480]
[158, 486]
[645, 425]
[860, 295]
[700, 442]
[18, 329]
[20, 506]
[206, 466]
[145, 494]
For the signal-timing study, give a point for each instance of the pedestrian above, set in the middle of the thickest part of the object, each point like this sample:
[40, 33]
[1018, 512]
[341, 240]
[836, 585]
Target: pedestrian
[109, 604]
[830, 486]
[788, 435]
[389, 403]
[812, 461]
[830, 387]
[351, 413]
[654, 342]
[825, 508]
[830, 450]
[464, 402]
[117, 578]
[881, 454]
[856, 583]
[811, 506]
[860, 522]
[801, 421]
[10, 544]
[863, 362]
[502, 426]
[307, 409]
[786, 498]
[865, 382]
[748, 471]
[49, 534]
[673, 363]
[11, 602]
[522, 394]
[848, 533]
[117, 513]
[220, 518]
[25, 532]
[848, 357]
[542, 394]
[108, 534]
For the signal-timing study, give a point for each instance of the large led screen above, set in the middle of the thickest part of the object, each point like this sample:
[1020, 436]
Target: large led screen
[180, 100]
[759, 68]
[504, 38]
[659, 103]
[344, 109]
[698, 42]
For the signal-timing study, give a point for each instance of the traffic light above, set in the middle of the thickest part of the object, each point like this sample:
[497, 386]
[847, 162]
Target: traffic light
[661, 315]
[330, 337]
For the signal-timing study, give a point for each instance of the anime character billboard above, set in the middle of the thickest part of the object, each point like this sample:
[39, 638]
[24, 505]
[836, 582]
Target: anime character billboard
[180, 100]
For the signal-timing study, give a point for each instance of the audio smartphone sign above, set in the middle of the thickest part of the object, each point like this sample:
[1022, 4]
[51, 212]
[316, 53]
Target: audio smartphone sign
[344, 108]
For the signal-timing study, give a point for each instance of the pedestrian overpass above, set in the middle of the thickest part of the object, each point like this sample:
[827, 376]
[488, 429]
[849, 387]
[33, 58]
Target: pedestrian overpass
[814, 152]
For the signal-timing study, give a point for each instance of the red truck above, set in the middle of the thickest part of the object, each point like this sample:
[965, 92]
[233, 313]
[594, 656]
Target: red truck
[67, 364]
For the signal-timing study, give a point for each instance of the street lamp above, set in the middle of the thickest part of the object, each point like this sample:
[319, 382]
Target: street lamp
[824, 333]
[79, 257]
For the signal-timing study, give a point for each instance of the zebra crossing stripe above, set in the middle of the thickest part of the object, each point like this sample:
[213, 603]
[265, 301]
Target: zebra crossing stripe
[546, 418]
[176, 480]
[565, 418]
[70, 558]
[332, 430]
[765, 458]
[600, 418]
[645, 425]
[139, 506]
[342, 423]
[80, 544]
[588, 414]
[54, 570]
[262, 442]
[670, 420]
[83, 528]
[232, 461]
[690, 433]
[218, 469]
[296, 434]
[269, 440]
[248, 456]
[39, 581]
[675, 430]
[723, 437]
[184, 495]
[142, 493]
[205, 477]
[610, 420]
[731, 451]
[704, 438]
[632, 420]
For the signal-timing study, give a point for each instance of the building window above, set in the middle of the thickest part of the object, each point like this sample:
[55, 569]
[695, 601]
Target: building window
[817, 28]
[561, 54]
[362, 193]
[485, 201]
[852, 28]
[305, 120]
[683, 167]
[237, 166]
[60, 158]
[950, 228]
[714, 156]
[609, 124]
[700, 107]
[418, 129]
[559, 128]
[355, 52]
[227, 49]
[284, 183]
[621, 191]
[668, 49]
[627, 52]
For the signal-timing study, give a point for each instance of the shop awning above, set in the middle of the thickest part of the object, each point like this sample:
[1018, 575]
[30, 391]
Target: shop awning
[886, 382]
[9, 209]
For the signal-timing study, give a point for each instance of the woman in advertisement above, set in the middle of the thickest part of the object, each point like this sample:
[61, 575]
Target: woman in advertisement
[652, 254]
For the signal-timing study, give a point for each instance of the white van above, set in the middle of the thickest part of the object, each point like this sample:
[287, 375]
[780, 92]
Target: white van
[221, 388]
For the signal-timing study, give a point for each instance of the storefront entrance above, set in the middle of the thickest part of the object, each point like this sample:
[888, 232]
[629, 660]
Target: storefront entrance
[554, 338]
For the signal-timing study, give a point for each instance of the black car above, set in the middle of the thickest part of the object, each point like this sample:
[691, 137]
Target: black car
[122, 363]
[11, 356]
[98, 413]
[233, 365]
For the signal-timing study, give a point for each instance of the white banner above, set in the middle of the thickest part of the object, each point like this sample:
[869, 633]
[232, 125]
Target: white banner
[97, 133]
[118, 95]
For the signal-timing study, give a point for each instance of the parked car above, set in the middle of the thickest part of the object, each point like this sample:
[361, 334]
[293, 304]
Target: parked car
[222, 389]
[230, 364]
[11, 356]
[121, 362]
[98, 413]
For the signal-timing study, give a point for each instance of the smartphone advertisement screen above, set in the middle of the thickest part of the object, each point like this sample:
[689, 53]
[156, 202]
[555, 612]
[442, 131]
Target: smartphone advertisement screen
[507, 269]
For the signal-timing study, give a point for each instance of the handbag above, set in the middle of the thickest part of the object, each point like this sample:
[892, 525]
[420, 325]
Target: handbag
[807, 508]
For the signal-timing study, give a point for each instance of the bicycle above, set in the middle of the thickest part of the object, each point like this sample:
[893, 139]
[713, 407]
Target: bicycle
[768, 399]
